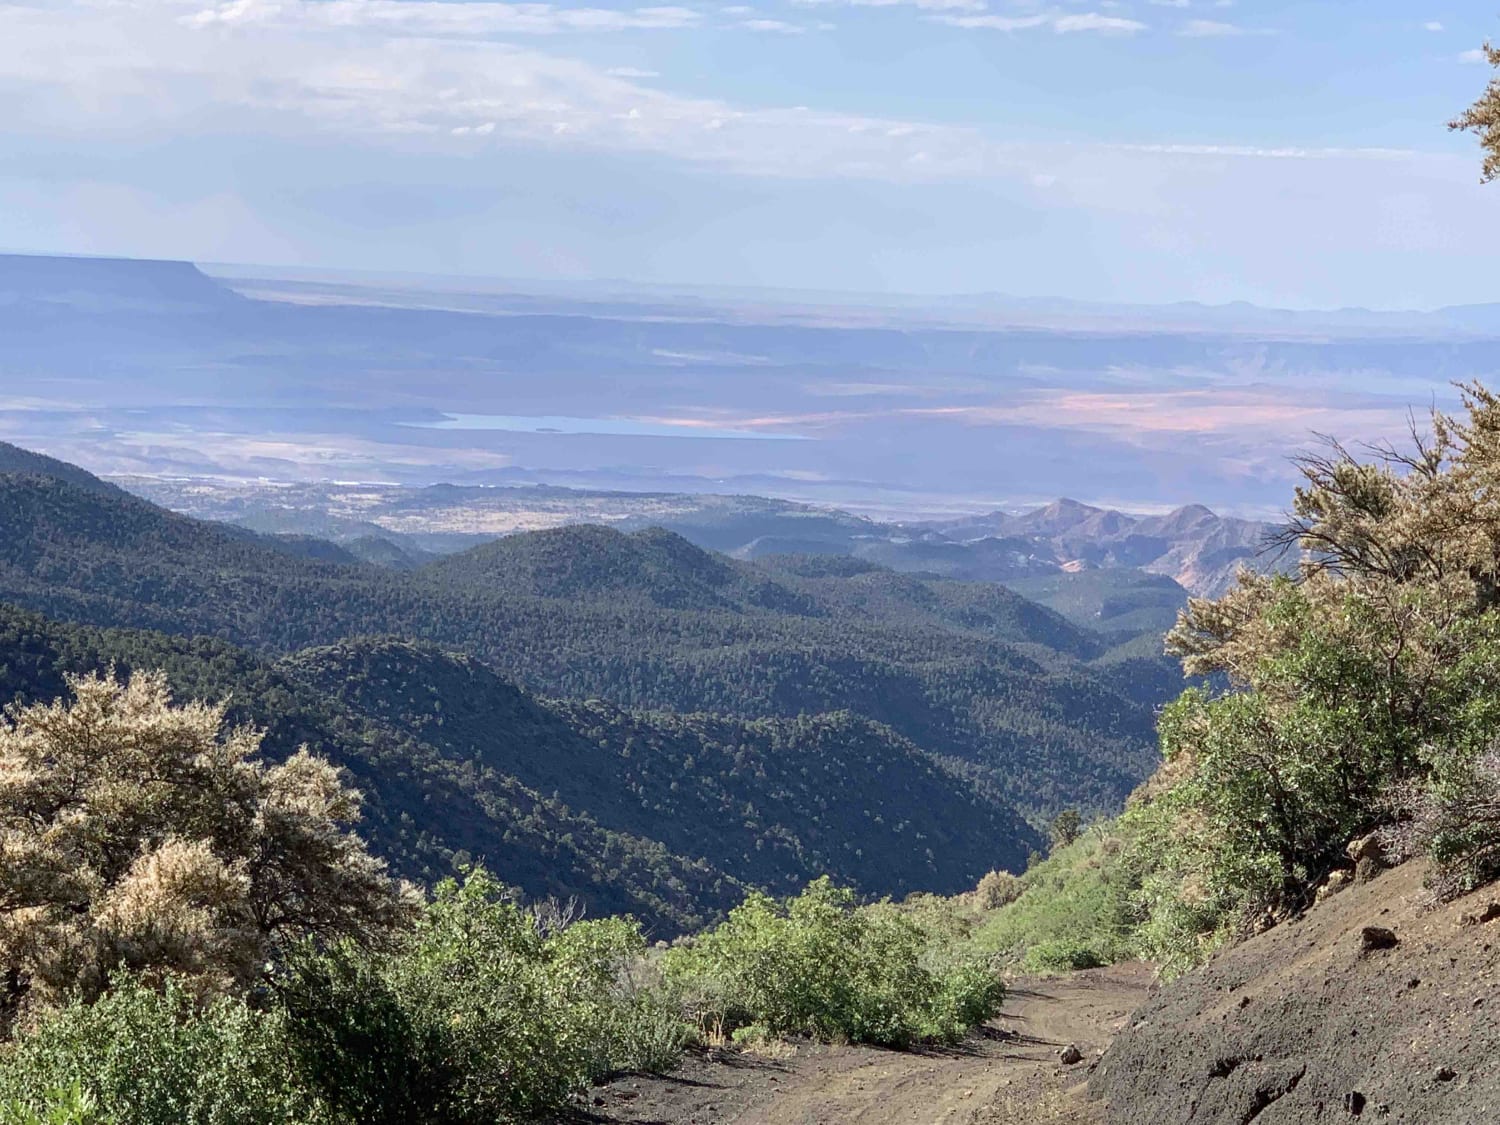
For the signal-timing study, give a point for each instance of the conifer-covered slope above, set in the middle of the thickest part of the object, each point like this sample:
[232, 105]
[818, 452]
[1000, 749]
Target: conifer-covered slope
[969, 672]
[663, 816]
[774, 802]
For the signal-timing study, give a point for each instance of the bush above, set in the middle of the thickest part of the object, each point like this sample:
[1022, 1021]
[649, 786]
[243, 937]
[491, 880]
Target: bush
[1086, 894]
[816, 965]
[1061, 957]
[483, 1016]
[145, 836]
[65, 1106]
[997, 889]
[141, 1056]
[1455, 821]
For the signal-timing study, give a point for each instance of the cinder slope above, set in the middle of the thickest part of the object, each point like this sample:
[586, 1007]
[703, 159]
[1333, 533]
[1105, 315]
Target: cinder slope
[1300, 1024]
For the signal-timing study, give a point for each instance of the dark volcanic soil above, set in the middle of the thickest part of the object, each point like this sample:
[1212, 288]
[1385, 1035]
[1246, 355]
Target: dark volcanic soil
[1008, 1075]
[1302, 1024]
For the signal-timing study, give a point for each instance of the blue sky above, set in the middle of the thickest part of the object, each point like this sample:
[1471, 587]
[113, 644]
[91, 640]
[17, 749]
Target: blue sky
[1282, 153]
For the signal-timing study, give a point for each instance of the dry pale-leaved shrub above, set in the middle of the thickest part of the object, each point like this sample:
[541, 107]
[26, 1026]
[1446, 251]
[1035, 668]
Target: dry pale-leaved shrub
[140, 835]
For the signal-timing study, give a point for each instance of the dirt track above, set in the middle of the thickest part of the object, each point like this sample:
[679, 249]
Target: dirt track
[1007, 1075]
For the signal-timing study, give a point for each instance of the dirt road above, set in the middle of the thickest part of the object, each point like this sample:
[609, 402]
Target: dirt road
[1009, 1074]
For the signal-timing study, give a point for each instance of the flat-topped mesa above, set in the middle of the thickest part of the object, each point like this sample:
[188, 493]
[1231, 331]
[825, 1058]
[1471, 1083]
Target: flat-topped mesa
[110, 284]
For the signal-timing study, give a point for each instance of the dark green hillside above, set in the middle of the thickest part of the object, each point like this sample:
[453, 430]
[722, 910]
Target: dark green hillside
[1118, 602]
[425, 807]
[14, 459]
[772, 802]
[969, 672]
[595, 564]
[660, 815]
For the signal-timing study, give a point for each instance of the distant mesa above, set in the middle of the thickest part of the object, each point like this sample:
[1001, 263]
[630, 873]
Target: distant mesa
[110, 284]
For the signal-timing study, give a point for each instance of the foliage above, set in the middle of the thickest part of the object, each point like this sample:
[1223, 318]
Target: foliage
[484, 1015]
[817, 965]
[143, 1055]
[65, 1105]
[1079, 901]
[1065, 828]
[138, 835]
[1456, 821]
[1062, 955]
[1375, 671]
[1483, 118]
[997, 889]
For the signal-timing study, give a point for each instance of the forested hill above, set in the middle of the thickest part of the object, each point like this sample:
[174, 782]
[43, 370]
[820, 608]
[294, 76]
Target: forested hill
[662, 816]
[716, 722]
[969, 672]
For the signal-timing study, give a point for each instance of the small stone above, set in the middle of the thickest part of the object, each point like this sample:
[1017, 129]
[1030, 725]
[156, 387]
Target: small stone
[1366, 847]
[1336, 881]
[1070, 1055]
[1445, 1074]
[1489, 913]
[1372, 938]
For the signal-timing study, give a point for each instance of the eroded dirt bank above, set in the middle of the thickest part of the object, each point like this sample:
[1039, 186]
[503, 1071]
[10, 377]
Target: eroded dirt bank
[1009, 1074]
[1304, 1023]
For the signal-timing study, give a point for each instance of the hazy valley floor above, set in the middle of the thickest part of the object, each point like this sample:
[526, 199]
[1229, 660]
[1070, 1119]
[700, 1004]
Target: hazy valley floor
[1008, 1074]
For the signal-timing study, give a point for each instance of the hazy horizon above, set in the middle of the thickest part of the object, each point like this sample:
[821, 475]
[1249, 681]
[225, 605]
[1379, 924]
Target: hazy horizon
[155, 368]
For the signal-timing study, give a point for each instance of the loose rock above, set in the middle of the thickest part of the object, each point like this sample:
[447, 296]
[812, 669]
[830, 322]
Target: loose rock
[1489, 913]
[1372, 938]
[1071, 1055]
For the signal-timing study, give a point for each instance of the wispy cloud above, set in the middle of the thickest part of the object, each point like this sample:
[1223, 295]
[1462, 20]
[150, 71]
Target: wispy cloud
[1475, 56]
[1432, 25]
[435, 17]
[1060, 22]
[779, 27]
[1211, 29]
[94, 67]
[922, 5]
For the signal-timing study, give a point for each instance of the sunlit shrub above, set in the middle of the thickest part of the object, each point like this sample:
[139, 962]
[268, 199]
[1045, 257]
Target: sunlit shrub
[817, 965]
[147, 1056]
[483, 1016]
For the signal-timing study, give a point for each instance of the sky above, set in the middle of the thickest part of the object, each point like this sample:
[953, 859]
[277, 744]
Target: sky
[1284, 153]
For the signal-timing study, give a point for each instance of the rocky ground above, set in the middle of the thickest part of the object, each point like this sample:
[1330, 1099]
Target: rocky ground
[1009, 1074]
[1371, 1007]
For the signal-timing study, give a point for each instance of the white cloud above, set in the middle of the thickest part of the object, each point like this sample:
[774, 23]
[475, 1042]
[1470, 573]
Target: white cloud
[632, 72]
[1062, 23]
[1211, 29]
[1475, 56]
[117, 67]
[1432, 25]
[436, 17]
[1093, 21]
[923, 5]
[779, 27]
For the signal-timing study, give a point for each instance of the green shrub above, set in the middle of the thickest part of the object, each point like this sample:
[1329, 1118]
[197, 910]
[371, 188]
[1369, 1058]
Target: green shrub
[1061, 957]
[997, 889]
[1085, 894]
[1454, 820]
[69, 1105]
[483, 1016]
[816, 965]
[142, 1056]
